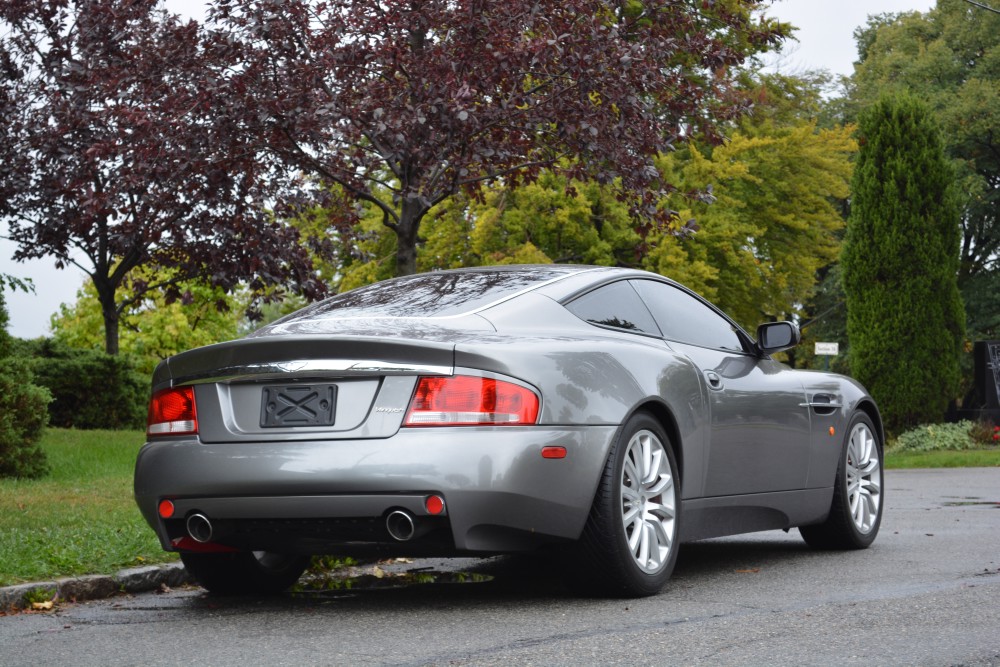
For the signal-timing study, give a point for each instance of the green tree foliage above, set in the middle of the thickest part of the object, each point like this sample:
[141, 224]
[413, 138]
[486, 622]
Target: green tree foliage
[22, 411]
[151, 329]
[5, 340]
[950, 58]
[22, 419]
[15, 283]
[89, 388]
[825, 320]
[905, 318]
[773, 222]
[554, 219]
[981, 294]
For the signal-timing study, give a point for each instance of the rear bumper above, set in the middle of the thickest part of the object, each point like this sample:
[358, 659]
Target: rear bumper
[500, 494]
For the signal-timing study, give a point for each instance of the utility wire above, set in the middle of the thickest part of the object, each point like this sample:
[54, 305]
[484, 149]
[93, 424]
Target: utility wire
[982, 6]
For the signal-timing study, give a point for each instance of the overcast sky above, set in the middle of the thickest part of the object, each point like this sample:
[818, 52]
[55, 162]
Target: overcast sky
[825, 41]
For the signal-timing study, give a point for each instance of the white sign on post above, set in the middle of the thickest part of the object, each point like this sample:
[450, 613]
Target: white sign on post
[827, 349]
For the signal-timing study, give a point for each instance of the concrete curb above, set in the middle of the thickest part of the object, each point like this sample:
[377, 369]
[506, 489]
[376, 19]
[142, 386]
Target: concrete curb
[97, 586]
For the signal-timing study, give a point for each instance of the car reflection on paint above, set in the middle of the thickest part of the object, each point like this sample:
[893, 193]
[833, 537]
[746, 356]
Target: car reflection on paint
[610, 413]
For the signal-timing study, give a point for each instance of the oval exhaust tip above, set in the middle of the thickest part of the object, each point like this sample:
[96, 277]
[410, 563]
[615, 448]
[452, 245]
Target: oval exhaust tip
[400, 525]
[199, 528]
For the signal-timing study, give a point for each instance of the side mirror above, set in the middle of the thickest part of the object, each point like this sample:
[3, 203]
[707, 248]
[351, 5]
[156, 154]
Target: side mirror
[777, 336]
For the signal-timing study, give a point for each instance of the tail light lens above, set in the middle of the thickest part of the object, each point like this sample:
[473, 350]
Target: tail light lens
[471, 401]
[172, 412]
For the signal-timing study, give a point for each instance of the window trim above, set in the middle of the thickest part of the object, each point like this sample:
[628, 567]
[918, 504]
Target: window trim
[746, 341]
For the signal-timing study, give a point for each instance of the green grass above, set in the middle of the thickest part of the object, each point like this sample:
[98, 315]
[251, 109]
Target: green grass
[81, 519]
[969, 458]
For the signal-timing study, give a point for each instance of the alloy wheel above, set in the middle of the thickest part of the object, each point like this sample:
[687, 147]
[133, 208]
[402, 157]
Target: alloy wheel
[648, 501]
[864, 478]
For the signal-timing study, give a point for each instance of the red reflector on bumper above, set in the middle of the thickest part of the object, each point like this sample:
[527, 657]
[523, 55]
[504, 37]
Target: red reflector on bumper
[166, 509]
[553, 452]
[434, 504]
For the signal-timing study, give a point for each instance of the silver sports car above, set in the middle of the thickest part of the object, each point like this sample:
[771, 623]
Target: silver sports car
[610, 412]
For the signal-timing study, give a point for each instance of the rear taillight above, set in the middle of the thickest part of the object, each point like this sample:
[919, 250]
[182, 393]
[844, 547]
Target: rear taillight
[463, 400]
[172, 412]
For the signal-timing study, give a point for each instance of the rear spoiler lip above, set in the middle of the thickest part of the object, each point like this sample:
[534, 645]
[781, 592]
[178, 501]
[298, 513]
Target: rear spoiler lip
[305, 357]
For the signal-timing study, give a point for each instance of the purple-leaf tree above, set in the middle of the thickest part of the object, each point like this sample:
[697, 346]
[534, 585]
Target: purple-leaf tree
[423, 98]
[113, 158]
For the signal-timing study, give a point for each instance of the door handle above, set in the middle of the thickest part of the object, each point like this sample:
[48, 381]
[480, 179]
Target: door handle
[714, 381]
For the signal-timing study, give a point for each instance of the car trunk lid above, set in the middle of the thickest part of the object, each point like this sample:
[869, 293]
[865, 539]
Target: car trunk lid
[287, 388]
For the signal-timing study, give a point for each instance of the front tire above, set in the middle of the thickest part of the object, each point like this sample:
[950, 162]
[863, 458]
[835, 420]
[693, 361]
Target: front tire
[856, 510]
[245, 572]
[629, 543]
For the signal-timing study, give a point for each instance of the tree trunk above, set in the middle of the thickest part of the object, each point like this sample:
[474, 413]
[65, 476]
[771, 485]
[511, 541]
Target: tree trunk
[406, 236]
[109, 310]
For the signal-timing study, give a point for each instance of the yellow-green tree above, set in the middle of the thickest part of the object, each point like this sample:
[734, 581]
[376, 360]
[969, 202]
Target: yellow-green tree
[554, 219]
[771, 224]
[151, 329]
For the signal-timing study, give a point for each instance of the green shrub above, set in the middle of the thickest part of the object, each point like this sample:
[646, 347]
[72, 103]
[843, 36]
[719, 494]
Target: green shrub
[90, 389]
[934, 437]
[22, 418]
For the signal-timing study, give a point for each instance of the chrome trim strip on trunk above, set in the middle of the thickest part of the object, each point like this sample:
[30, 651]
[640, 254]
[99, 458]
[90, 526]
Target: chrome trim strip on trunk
[314, 368]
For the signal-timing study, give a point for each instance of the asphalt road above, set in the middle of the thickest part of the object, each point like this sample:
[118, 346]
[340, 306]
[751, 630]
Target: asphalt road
[926, 593]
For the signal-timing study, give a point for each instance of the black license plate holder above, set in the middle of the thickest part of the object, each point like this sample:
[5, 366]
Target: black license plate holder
[298, 405]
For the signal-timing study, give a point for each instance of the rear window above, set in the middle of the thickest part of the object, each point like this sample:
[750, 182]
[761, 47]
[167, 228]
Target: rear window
[436, 294]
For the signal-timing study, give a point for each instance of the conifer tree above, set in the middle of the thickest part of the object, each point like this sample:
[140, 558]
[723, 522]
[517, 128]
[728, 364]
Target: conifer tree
[905, 319]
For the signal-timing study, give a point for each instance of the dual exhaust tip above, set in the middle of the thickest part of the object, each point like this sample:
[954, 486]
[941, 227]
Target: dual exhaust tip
[199, 528]
[400, 525]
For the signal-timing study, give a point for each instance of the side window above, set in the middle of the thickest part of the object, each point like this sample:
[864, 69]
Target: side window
[617, 306]
[685, 319]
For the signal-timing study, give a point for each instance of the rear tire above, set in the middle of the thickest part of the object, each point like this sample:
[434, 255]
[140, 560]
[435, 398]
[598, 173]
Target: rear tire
[856, 510]
[245, 572]
[629, 543]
